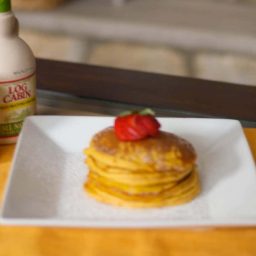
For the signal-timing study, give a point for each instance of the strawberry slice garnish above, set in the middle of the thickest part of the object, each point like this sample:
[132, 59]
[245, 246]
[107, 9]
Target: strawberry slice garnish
[136, 126]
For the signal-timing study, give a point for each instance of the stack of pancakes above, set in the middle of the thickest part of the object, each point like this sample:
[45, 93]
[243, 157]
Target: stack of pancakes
[153, 172]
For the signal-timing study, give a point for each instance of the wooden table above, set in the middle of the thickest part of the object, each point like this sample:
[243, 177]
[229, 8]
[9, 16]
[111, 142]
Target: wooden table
[172, 95]
[108, 91]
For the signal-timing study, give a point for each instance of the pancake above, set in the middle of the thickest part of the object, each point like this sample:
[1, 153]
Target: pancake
[163, 152]
[181, 193]
[153, 172]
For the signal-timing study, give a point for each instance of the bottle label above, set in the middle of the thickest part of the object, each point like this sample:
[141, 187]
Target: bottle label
[17, 100]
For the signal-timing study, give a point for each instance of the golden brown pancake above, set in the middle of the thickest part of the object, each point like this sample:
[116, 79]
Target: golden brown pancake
[152, 172]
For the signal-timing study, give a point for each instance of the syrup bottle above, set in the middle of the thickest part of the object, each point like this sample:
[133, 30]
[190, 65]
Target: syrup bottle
[17, 77]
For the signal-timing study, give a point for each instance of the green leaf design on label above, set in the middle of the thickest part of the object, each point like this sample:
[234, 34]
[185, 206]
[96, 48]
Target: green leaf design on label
[11, 129]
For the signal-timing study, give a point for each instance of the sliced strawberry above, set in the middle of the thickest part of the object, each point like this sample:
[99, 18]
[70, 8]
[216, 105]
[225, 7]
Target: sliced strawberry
[150, 124]
[136, 126]
[125, 128]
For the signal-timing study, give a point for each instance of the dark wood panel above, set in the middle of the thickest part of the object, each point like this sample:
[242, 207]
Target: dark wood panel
[175, 93]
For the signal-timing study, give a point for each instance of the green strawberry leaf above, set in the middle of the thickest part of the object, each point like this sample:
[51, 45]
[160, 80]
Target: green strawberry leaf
[126, 113]
[147, 111]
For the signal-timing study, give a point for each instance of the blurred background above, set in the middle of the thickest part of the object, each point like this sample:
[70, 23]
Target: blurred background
[211, 39]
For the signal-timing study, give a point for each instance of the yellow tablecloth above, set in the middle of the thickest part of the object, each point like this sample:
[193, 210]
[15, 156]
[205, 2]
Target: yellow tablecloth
[99, 242]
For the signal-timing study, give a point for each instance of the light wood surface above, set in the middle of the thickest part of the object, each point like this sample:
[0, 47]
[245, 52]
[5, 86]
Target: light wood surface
[96, 242]
[35, 4]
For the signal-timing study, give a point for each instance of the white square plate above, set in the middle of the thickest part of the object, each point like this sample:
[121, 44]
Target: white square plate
[46, 182]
